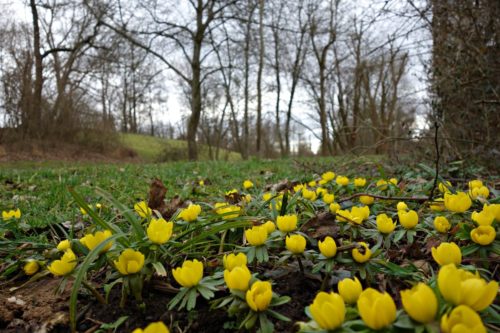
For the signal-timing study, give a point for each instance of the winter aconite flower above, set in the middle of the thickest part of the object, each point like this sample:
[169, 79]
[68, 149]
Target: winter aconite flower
[462, 319]
[287, 223]
[328, 176]
[295, 243]
[447, 253]
[142, 209]
[363, 254]
[328, 198]
[441, 224]
[129, 262]
[359, 182]
[483, 235]
[270, 226]
[457, 203]
[159, 231]
[31, 267]
[328, 310]
[237, 278]
[420, 303]
[190, 213]
[482, 191]
[158, 327]
[475, 183]
[459, 286]
[385, 224]
[444, 187]
[437, 205]
[11, 214]
[484, 217]
[309, 195]
[234, 260]
[227, 211]
[350, 289]
[382, 184]
[334, 207]
[91, 241]
[342, 180]
[366, 200]
[361, 212]
[376, 309]
[408, 219]
[493, 209]
[327, 247]
[256, 236]
[65, 265]
[190, 274]
[259, 295]
[402, 206]
[247, 184]
[64, 245]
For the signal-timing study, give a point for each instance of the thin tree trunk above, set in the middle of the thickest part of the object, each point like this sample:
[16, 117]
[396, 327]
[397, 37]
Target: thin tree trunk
[35, 117]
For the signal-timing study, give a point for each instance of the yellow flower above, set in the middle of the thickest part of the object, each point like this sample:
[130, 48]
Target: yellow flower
[483, 235]
[382, 184]
[328, 198]
[393, 181]
[342, 180]
[129, 262]
[350, 289]
[362, 213]
[267, 196]
[142, 209]
[442, 224]
[408, 219]
[328, 310]
[328, 176]
[64, 245]
[190, 274]
[385, 224]
[437, 205]
[493, 209]
[83, 211]
[247, 184]
[458, 203]
[312, 183]
[362, 255]
[321, 191]
[287, 223]
[159, 231]
[447, 253]
[322, 182]
[334, 207]
[190, 213]
[238, 278]
[259, 295]
[484, 217]
[270, 227]
[227, 211]
[420, 303]
[65, 265]
[459, 286]
[327, 247]
[297, 188]
[201, 183]
[359, 182]
[309, 195]
[256, 236]
[98, 205]
[31, 267]
[343, 215]
[91, 241]
[482, 191]
[232, 260]
[402, 206]
[444, 187]
[462, 319]
[158, 327]
[230, 192]
[7, 215]
[295, 243]
[366, 200]
[376, 309]
[475, 183]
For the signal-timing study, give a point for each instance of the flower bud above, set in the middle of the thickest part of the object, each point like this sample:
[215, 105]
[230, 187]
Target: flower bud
[447, 253]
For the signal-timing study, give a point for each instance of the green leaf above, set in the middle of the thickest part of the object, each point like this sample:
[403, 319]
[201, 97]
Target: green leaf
[278, 315]
[280, 300]
[82, 272]
[266, 326]
[159, 268]
[191, 296]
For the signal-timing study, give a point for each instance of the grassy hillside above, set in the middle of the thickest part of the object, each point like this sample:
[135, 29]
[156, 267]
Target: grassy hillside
[153, 149]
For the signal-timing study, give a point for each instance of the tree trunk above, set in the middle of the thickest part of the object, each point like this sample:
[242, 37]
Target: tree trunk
[35, 117]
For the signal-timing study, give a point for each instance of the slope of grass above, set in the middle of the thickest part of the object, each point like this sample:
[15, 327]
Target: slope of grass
[154, 149]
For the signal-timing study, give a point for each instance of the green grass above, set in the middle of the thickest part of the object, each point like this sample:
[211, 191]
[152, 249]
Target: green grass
[40, 190]
[153, 149]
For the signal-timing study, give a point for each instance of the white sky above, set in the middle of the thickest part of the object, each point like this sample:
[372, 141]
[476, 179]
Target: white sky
[177, 108]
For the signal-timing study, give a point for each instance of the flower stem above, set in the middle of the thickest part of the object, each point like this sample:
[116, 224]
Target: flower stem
[94, 292]
[324, 283]
[301, 267]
